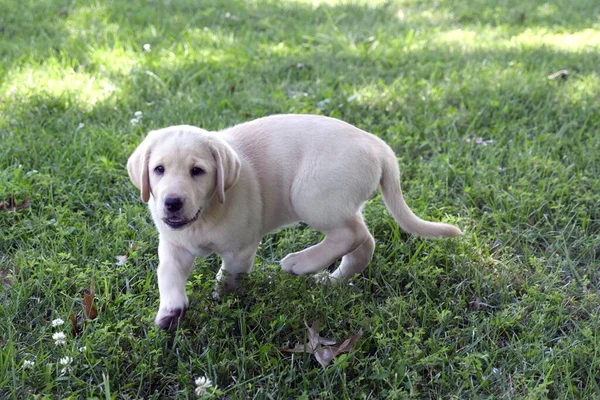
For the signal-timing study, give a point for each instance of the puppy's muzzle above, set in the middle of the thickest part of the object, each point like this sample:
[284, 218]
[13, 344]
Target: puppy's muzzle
[173, 204]
[174, 219]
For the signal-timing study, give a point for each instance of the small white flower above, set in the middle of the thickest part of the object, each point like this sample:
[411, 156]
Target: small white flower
[482, 141]
[59, 338]
[121, 260]
[82, 349]
[138, 114]
[28, 364]
[134, 121]
[147, 47]
[65, 360]
[57, 322]
[228, 15]
[202, 385]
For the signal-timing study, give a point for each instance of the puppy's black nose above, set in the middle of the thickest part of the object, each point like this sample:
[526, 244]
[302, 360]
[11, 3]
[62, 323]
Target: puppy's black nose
[173, 203]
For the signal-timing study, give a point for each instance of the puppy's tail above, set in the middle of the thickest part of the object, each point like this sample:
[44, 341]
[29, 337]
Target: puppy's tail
[392, 196]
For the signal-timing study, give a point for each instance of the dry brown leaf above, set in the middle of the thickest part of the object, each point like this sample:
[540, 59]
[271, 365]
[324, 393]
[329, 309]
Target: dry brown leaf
[324, 355]
[88, 304]
[76, 327]
[10, 205]
[314, 337]
[324, 350]
[6, 279]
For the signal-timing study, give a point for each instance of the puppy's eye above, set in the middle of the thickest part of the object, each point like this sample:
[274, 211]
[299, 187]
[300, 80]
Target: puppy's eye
[159, 170]
[196, 171]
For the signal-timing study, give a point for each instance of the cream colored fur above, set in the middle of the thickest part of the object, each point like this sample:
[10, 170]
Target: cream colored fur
[259, 176]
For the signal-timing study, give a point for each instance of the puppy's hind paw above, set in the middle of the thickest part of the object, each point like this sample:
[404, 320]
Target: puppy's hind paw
[166, 319]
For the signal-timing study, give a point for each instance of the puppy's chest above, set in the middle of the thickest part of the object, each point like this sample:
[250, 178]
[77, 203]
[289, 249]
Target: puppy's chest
[192, 241]
[198, 247]
[203, 251]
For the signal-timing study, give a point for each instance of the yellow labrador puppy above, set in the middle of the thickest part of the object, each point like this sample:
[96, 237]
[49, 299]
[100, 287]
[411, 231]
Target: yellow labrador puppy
[221, 192]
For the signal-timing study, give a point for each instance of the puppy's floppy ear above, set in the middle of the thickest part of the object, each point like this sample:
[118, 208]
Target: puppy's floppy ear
[137, 167]
[227, 166]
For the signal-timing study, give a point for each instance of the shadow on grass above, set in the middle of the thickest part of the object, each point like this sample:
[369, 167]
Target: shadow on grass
[70, 31]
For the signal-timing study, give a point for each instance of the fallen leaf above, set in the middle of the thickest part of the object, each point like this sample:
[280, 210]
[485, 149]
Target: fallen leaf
[10, 205]
[325, 354]
[563, 74]
[315, 338]
[76, 325]
[88, 304]
[8, 278]
[324, 350]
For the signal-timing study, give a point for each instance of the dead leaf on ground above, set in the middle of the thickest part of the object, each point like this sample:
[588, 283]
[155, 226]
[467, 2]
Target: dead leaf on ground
[11, 205]
[324, 350]
[563, 74]
[8, 278]
[88, 304]
[76, 324]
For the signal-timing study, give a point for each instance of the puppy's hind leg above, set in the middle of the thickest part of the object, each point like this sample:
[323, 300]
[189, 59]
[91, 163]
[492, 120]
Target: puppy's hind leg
[338, 241]
[233, 266]
[355, 262]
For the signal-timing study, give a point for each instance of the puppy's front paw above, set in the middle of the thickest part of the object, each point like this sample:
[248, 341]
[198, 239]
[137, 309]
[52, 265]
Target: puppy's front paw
[226, 283]
[169, 317]
[289, 262]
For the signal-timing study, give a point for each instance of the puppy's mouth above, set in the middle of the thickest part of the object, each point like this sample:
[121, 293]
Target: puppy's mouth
[176, 222]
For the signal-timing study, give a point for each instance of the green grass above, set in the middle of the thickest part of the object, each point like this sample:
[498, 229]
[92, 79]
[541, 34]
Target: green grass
[510, 310]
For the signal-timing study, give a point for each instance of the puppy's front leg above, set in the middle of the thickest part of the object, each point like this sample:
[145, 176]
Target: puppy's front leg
[173, 270]
[235, 264]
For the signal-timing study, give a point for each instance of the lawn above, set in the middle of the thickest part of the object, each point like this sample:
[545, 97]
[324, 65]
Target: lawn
[460, 90]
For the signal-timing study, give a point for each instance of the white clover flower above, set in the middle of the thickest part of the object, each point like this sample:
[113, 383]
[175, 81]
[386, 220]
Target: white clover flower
[147, 47]
[57, 322]
[138, 114]
[202, 385]
[65, 360]
[28, 364]
[59, 338]
[134, 121]
[82, 349]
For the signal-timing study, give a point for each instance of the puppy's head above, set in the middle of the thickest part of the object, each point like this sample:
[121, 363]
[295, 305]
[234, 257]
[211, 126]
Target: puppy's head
[182, 168]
